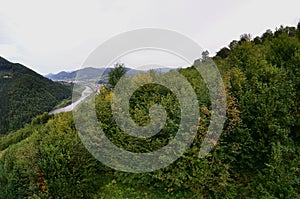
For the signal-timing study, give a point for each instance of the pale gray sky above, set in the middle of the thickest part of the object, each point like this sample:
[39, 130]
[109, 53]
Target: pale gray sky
[50, 36]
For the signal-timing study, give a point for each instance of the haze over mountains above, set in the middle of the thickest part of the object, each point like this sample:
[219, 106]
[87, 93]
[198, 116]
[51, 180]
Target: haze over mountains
[25, 94]
[85, 73]
[91, 73]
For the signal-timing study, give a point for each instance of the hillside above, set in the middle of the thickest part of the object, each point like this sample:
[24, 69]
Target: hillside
[88, 73]
[24, 94]
[257, 155]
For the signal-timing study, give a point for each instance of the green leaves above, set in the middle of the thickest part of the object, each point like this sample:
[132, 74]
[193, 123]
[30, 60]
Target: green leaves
[115, 75]
[257, 155]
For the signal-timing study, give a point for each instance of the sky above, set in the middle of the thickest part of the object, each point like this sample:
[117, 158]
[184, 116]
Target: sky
[58, 35]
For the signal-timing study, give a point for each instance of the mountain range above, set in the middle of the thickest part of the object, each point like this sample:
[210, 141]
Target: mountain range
[94, 74]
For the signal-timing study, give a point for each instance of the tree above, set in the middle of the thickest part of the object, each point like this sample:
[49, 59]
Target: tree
[267, 35]
[233, 44]
[298, 30]
[115, 74]
[257, 40]
[245, 38]
[205, 55]
[223, 53]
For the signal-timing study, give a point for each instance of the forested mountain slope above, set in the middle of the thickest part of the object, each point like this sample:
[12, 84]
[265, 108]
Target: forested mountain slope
[25, 94]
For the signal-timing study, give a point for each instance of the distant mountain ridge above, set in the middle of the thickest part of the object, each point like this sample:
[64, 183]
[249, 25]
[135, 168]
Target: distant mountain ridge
[91, 73]
[25, 94]
[85, 73]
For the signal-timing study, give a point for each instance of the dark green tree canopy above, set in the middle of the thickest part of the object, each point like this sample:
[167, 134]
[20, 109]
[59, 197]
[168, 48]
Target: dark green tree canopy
[25, 94]
[115, 74]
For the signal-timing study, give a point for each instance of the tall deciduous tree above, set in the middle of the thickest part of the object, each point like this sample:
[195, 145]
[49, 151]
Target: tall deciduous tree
[116, 74]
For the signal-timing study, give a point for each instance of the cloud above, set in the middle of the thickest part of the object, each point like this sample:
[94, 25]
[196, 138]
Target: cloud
[58, 35]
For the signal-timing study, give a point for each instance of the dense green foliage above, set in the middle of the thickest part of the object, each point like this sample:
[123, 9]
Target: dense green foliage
[25, 94]
[115, 74]
[257, 156]
[52, 163]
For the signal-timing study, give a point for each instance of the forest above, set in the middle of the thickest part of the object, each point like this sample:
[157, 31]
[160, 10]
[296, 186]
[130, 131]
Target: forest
[257, 155]
[25, 94]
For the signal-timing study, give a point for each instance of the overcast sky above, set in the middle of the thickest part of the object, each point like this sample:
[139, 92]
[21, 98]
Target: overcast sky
[51, 36]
